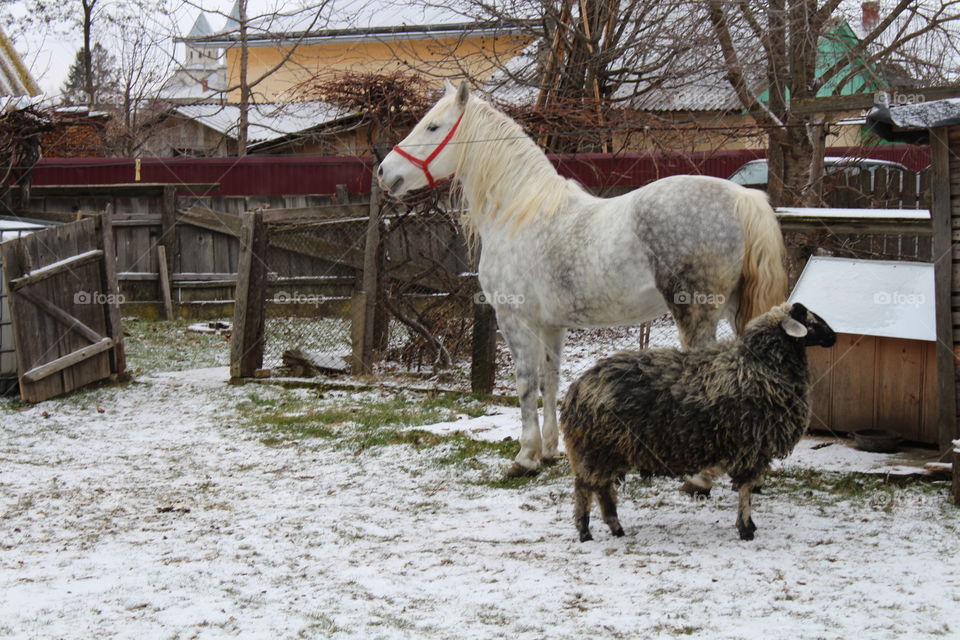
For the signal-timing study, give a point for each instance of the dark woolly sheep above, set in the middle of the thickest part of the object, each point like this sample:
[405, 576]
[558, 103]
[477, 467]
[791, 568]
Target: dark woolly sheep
[733, 405]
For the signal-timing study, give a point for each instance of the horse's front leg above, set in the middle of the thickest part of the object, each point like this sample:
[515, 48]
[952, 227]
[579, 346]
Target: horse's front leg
[549, 382]
[525, 346]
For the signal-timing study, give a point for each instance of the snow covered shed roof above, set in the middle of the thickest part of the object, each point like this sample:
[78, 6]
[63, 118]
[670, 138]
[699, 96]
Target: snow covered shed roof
[918, 118]
[267, 121]
[889, 299]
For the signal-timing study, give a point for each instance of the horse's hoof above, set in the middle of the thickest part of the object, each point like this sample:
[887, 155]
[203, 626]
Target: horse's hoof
[518, 470]
[586, 537]
[693, 490]
[549, 461]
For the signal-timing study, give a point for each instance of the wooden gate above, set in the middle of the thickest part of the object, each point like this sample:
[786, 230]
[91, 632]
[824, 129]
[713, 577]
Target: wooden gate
[64, 306]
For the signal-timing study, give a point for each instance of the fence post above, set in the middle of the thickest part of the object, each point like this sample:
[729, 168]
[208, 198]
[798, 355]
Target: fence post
[364, 302]
[944, 285]
[168, 228]
[249, 307]
[483, 365]
[112, 286]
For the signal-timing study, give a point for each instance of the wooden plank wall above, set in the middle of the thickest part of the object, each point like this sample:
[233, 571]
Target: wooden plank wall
[868, 382]
[204, 262]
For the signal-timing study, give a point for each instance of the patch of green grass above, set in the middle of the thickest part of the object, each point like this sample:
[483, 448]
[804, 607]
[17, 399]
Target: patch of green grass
[883, 492]
[160, 345]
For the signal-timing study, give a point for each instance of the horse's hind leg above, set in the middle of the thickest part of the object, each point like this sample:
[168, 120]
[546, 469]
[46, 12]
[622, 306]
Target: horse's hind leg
[697, 324]
[700, 484]
[549, 381]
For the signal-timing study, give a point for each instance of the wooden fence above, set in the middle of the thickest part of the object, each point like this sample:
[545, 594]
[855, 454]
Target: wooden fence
[64, 307]
[195, 239]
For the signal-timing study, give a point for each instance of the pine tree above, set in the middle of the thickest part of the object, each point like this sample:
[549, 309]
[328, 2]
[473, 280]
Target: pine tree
[104, 79]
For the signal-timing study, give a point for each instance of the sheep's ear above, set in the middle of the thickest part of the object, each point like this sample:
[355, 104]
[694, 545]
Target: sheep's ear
[463, 94]
[793, 328]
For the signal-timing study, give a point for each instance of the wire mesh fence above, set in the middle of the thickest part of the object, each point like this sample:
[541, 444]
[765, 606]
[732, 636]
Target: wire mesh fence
[309, 295]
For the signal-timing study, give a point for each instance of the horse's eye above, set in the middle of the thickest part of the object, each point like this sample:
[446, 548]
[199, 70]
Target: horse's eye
[433, 127]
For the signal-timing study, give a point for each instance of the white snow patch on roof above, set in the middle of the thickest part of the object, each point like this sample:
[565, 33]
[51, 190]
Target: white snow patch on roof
[267, 121]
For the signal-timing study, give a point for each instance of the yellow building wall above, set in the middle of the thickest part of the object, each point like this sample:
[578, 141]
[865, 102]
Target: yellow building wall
[704, 131]
[434, 59]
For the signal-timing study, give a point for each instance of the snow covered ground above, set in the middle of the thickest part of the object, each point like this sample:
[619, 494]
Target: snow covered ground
[158, 509]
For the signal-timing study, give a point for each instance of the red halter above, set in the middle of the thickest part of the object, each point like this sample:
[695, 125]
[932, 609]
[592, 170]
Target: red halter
[424, 165]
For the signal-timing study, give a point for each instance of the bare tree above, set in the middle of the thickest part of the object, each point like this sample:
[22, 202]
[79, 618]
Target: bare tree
[141, 69]
[388, 104]
[591, 56]
[773, 45]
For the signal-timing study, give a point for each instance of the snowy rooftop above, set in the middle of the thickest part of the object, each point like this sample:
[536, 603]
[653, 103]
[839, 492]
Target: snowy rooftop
[267, 121]
[922, 115]
[870, 297]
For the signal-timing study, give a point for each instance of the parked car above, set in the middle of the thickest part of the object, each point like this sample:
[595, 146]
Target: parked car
[754, 173]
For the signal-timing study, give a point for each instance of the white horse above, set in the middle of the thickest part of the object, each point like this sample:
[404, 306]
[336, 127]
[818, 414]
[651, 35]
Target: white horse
[554, 256]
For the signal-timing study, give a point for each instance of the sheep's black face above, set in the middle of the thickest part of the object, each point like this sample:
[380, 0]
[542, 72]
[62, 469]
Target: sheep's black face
[818, 332]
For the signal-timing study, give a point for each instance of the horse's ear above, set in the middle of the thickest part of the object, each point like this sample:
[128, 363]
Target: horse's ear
[463, 94]
[448, 87]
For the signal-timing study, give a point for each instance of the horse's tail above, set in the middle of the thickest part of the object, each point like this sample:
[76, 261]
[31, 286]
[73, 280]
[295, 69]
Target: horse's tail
[763, 282]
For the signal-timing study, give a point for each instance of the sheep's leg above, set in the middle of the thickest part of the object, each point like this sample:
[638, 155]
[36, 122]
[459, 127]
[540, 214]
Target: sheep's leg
[549, 382]
[607, 497]
[745, 525]
[701, 483]
[526, 347]
[582, 499]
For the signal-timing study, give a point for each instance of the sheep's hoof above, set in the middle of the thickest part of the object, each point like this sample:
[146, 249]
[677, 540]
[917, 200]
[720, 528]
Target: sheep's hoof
[693, 490]
[746, 530]
[517, 470]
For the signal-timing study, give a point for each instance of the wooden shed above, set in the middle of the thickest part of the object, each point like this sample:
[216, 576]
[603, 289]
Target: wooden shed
[882, 374]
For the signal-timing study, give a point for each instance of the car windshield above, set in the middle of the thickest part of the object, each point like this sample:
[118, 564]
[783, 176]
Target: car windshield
[751, 173]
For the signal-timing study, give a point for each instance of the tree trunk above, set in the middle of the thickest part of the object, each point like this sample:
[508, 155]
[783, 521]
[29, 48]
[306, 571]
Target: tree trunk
[244, 124]
[88, 86]
[789, 153]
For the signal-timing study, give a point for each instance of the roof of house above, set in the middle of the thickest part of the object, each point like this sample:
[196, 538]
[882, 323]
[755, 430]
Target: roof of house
[708, 89]
[889, 299]
[267, 121]
[273, 30]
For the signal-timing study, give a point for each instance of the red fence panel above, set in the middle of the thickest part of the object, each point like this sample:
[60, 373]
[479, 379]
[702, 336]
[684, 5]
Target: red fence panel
[316, 175]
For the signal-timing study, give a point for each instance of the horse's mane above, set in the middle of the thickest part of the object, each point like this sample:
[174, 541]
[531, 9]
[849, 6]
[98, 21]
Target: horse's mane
[503, 175]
